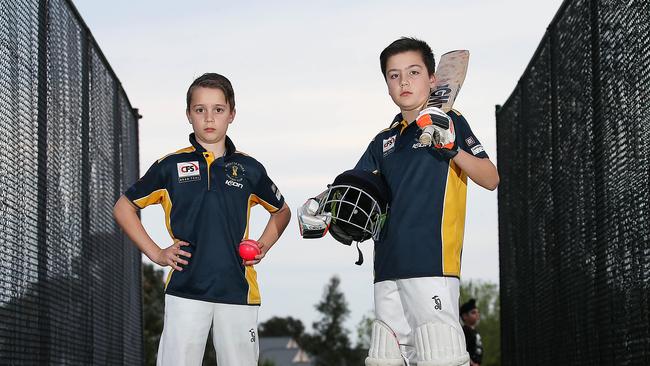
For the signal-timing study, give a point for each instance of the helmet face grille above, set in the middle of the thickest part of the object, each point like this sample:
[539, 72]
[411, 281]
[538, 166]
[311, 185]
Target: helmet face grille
[354, 212]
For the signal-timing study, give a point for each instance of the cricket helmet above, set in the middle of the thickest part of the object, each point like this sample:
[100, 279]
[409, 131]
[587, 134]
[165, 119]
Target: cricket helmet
[358, 202]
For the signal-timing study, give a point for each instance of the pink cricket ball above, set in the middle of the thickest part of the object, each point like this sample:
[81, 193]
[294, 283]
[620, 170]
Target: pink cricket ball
[248, 249]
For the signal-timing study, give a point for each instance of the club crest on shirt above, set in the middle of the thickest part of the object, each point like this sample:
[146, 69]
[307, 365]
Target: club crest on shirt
[188, 171]
[235, 171]
[388, 145]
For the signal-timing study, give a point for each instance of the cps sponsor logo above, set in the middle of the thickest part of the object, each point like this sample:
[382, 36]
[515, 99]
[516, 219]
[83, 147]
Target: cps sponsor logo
[388, 145]
[188, 171]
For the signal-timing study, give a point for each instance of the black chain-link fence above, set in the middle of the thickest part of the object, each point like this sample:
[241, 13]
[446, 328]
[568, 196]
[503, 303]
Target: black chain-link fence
[574, 198]
[70, 283]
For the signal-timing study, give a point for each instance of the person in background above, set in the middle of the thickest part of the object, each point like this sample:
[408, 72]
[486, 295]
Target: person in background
[471, 316]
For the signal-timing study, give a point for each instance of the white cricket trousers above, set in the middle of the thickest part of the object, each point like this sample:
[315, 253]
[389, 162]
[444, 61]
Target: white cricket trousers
[409, 303]
[186, 328]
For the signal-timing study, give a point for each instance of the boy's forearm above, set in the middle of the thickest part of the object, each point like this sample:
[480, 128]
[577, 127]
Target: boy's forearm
[126, 216]
[276, 225]
[481, 171]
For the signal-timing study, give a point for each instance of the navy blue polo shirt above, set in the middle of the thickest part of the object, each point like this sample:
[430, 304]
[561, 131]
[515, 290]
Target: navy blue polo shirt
[207, 202]
[423, 234]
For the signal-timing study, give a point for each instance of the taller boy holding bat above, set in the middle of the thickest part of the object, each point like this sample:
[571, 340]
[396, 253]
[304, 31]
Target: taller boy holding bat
[417, 256]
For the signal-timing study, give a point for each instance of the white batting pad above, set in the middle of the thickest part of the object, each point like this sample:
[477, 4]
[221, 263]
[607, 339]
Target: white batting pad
[384, 347]
[439, 344]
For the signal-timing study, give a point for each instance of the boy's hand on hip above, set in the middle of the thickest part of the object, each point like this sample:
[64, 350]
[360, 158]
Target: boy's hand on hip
[171, 256]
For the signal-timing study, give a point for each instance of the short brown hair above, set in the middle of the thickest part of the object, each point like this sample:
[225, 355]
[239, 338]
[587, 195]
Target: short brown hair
[406, 44]
[214, 81]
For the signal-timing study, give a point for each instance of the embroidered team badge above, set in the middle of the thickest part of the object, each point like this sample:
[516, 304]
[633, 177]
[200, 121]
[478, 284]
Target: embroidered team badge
[235, 173]
[188, 171]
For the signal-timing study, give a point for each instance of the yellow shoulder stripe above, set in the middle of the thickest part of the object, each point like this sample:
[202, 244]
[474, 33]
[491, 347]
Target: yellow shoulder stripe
[183, 150]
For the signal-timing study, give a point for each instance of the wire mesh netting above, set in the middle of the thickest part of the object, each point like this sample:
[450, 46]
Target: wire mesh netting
[575, 191]
[69, 281]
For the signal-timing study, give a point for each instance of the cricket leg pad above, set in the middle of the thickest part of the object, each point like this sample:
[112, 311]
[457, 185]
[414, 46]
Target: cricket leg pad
[384, 347]
[439, 344]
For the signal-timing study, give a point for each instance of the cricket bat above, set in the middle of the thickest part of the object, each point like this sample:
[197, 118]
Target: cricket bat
[450, 76]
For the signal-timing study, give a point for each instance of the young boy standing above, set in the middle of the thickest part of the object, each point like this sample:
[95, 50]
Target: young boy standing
[207, 191]
[418, 254]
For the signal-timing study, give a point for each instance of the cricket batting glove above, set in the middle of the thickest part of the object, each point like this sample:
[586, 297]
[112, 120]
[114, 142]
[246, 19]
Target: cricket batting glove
[313, 226]
[438, 131]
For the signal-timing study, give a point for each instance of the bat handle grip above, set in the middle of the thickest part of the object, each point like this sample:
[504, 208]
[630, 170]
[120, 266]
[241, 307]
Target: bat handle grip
[426, 138]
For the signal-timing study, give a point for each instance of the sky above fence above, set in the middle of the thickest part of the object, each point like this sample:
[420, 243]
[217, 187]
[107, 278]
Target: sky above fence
[310, 96]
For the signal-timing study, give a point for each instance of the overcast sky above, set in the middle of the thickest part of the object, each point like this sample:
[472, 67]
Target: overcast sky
[310, 96]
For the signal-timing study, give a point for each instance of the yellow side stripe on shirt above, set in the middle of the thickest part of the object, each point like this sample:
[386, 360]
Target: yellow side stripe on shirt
[253, 200]
[159, 196]
[254, 296]
[453, 220]
[253, 288]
